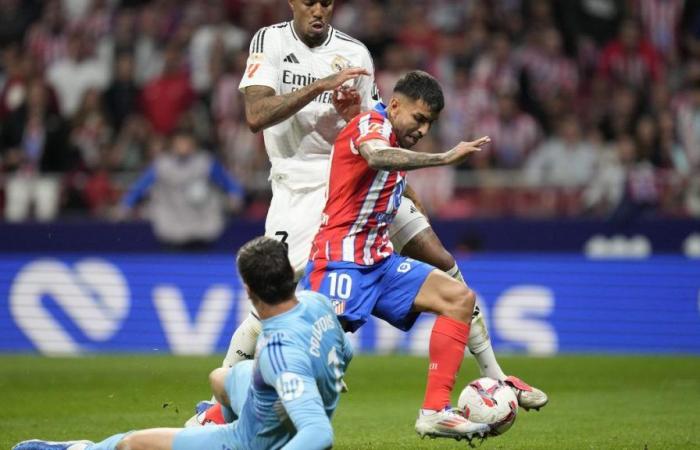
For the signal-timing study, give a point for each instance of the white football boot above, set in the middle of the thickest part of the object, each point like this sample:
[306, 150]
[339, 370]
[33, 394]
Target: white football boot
[449, 423]
[528, 397]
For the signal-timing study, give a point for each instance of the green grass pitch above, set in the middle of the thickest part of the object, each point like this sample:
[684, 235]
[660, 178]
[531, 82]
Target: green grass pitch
[597, 402]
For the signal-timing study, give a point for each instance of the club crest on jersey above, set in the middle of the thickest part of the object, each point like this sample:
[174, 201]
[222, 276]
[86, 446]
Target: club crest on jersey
[404, 267]
[339, 63]
[338, 306]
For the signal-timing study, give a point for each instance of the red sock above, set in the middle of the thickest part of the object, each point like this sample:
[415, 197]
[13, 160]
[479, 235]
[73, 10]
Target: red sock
[214, 415]
[447, 343]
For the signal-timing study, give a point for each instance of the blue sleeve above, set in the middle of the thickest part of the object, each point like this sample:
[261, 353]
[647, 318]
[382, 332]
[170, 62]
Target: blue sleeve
[348, 351]
[221, 178]
[139, 189]
[289, 370]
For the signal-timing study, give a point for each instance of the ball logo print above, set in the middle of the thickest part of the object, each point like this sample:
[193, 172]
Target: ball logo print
[290, 386]
[93, 293]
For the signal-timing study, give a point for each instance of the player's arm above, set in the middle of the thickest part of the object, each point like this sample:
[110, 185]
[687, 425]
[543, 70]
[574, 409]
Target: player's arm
[263, 108]
[288, 370]
[381, 156]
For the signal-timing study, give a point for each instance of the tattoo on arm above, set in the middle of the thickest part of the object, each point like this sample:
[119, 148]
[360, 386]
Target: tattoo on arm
[263, 108]
[381, 156]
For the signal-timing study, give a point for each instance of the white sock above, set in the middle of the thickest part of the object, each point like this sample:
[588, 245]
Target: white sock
[243, 341]
[480, 347]
[479, 340]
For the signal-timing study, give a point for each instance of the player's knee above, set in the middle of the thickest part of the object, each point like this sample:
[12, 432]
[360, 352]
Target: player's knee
[461, 302]
[217, 381]
[129, 442]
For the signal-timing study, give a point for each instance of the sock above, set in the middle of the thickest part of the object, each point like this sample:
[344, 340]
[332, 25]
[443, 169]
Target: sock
[215, 414]
[479, 340]
[446, 351]
[480, 347]
[243, 341]
[456, 274]
[110, 443]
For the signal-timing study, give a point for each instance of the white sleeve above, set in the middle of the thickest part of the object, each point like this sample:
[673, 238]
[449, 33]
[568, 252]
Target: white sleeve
[263, 66]
[366, 86]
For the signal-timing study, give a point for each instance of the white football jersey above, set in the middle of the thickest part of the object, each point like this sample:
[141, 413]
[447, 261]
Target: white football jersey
[299, 147]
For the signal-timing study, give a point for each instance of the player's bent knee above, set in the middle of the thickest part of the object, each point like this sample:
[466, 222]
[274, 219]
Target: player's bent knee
[217, 381]
[128, 443]
[461, 303]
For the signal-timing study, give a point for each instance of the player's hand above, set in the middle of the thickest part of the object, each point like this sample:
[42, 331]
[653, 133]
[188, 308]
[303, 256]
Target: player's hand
[333, 81]
[346, 101]
[460, 151]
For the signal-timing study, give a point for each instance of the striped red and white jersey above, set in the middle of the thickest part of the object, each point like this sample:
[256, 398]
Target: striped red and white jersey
[661, 20]
[361, 202]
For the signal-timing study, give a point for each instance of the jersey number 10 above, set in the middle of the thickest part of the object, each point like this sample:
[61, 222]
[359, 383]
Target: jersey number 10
[341, 285]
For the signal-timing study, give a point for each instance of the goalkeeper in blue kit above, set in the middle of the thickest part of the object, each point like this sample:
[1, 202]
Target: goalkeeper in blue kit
[284, 398]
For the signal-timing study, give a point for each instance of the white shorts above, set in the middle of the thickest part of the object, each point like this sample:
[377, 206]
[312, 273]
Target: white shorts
[295, 216]
[407, 224]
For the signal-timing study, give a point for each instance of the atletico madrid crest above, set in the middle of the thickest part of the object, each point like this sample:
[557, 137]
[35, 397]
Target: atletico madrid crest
[338, 306]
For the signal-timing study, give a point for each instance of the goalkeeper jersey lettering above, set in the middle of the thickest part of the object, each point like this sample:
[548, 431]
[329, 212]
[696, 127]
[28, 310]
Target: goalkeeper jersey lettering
[299, 147]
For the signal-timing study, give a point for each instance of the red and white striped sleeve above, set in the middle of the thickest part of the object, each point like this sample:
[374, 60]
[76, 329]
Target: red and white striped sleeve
[372, 126]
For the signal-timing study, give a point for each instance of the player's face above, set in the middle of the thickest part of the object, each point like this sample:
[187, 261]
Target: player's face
[411, 119]
[312, 19]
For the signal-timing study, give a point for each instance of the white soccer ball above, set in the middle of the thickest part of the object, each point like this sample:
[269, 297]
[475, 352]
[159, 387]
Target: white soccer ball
[489, 401]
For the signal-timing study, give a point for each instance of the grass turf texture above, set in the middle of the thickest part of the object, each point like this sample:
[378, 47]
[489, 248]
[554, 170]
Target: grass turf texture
[596, 402]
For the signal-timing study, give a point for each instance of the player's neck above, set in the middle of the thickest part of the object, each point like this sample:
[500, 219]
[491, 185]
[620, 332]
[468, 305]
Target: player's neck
[308, 41]
[266, 311]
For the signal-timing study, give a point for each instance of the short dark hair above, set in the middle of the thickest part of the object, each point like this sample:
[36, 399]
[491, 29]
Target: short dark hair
[264, 266]
[419, 85]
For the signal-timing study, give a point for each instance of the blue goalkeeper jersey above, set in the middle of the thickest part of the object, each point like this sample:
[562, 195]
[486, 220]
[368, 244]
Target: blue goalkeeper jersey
[300, 361]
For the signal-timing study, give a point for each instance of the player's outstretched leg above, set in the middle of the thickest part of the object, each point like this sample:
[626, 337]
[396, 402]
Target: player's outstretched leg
[36, 444]
[241, 348]
[426, 246]
[454, 303]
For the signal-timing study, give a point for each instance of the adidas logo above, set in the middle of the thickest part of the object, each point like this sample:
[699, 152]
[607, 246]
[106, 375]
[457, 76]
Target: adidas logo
[412, 209]
[291, 58]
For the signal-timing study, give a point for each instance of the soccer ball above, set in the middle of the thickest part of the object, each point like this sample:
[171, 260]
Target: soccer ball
[489, 401]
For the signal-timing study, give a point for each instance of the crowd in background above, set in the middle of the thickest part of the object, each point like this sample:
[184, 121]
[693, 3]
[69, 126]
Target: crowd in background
[593, 106]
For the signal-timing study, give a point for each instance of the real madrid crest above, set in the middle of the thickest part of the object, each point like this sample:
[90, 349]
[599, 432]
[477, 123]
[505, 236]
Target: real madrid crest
[339, 63]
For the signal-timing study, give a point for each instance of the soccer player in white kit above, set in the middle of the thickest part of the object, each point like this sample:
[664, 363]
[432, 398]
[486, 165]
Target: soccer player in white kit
[303, 81]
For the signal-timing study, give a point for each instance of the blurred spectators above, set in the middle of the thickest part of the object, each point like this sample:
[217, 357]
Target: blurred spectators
[121, 99]
[564, 160]
[631, 59]
[593, 106]
[75, 73]
[184, 208]
[166, 98]
[35, 154]
[513, 133]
